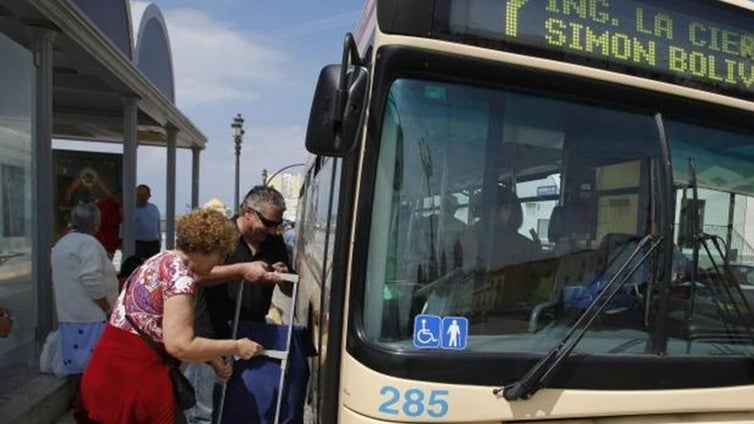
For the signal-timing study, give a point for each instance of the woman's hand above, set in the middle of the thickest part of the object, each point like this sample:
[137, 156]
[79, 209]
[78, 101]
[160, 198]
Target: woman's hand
[246, 348]
[222, 369]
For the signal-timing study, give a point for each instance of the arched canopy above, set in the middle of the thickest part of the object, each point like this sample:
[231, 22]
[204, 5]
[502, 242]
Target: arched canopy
[113, 18]
[152, 54]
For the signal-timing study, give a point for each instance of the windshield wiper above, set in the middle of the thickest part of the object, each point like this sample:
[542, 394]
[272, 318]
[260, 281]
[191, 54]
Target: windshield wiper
[541, 373]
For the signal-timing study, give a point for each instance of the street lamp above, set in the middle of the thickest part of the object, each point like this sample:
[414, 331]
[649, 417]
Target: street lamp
[266, 180]
[238, 132]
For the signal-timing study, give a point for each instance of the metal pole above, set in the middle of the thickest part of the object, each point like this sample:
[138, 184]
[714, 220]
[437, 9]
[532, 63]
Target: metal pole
[238, 132]
[729, 235]
[42, 228]
[286, 357]
[238, 156]
[172, 139]
[130, 146]
[195, 154]
[231, 358]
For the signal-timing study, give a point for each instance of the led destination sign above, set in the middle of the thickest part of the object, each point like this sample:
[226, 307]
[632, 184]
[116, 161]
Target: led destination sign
[696, 43]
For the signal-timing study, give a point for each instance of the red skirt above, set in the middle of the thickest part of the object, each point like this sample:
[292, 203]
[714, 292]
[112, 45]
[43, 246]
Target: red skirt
[125, 382]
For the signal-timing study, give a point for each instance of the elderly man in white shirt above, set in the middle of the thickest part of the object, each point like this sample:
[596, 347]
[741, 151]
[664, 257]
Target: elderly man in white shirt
[86, 287]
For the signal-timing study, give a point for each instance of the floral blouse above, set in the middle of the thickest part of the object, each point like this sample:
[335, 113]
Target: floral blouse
[159, 278]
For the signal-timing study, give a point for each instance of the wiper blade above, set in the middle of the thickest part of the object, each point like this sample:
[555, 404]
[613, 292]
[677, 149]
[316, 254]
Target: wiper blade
[541, 373]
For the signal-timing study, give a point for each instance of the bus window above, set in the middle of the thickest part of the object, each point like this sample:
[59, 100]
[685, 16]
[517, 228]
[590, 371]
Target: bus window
[488, 204]
[317, 217]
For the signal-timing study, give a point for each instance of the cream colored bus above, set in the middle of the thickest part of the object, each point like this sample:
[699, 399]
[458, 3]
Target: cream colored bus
[533, 211]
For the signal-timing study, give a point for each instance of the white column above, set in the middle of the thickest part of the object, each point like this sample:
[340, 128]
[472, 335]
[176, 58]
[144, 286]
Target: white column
[130, 147]
[170, 185]
[42, 230]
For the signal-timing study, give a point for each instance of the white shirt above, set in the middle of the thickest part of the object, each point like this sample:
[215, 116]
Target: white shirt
[82, 272]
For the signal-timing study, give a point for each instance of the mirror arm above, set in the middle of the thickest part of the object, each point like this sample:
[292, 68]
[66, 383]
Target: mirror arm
[350, 57]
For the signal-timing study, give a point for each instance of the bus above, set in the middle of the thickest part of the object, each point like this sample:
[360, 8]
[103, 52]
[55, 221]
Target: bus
[533, 211]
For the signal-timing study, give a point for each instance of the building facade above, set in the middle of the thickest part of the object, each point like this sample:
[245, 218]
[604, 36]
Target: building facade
[289, 185]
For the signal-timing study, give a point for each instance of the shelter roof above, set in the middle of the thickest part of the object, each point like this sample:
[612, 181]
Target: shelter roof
[103, 55]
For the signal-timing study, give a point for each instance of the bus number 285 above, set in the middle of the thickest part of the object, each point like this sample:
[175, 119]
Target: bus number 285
[414, 402]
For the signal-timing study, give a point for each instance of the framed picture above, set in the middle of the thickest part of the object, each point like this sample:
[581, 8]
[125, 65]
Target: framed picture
[82, 177]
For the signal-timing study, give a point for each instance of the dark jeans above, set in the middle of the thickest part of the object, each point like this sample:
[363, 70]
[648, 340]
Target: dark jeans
[147, 249]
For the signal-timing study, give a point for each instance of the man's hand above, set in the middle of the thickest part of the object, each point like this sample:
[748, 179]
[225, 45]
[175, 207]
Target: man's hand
[285, 286]
[259, 272]
[251, 272]
[280, 267]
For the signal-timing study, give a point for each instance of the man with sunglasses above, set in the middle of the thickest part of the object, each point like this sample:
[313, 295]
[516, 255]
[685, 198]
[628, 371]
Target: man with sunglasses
[259, 221]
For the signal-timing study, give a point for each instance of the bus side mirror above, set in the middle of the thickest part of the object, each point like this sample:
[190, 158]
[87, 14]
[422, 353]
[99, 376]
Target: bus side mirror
[336, 114]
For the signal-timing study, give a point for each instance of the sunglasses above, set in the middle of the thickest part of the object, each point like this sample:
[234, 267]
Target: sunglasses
[267, 222]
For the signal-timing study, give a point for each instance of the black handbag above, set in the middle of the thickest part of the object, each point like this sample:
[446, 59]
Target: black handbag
[183, 390]
[185, 397]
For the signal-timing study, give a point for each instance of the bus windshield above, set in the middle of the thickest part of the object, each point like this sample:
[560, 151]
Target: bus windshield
[512, 210]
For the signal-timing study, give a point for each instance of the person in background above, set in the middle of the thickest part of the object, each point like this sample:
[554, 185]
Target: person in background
[289, 237]
[148, 234]
[509, 247]
[126, 380]
[127, 267]
[6, 322]
[111, 217]
[85, 284]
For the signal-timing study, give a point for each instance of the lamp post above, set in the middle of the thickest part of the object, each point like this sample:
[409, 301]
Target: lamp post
[238, 132]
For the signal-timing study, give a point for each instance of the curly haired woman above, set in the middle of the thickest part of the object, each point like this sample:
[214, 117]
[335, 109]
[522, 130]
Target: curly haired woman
[126, 381]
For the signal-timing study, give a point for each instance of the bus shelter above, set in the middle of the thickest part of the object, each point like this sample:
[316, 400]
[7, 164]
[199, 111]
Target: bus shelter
[88, 70]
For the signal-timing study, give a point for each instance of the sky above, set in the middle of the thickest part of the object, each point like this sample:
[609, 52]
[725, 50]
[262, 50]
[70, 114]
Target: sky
[257, 58]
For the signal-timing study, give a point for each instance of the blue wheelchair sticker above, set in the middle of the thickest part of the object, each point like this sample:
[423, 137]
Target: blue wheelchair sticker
[454, 333]
[427, 331]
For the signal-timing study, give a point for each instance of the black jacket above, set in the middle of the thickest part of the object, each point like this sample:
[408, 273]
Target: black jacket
[215, 305]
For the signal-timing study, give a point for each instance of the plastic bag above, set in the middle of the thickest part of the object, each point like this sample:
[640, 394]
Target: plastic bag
[51, 359]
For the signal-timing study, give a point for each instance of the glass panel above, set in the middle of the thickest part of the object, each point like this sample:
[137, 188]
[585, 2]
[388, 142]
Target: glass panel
[511, 210]
[711, 303]
[16, 213]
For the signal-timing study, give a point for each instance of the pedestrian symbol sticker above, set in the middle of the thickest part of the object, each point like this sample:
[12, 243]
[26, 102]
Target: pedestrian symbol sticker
[454, 333]
[427, 331]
